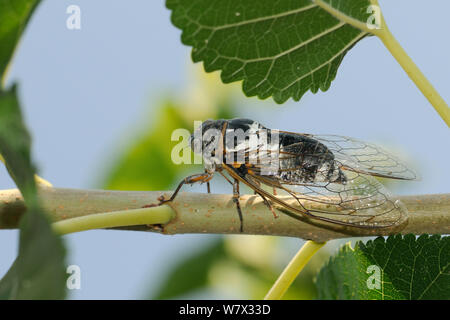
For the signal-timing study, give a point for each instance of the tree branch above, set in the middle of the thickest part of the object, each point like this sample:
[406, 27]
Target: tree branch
[214, 213]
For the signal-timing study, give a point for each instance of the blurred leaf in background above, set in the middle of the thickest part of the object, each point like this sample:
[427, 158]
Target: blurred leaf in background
[237, 267]
[190, 274]
[146, 164]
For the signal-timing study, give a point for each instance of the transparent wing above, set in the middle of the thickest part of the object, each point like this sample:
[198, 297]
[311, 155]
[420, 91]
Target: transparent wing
[361, 202]
[360, 156]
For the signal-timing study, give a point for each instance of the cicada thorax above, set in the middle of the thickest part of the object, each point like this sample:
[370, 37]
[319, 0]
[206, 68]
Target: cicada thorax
[243, 140]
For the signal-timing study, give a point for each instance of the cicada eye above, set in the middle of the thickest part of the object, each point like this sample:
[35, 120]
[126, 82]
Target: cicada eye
[196, 144]
[211, 137]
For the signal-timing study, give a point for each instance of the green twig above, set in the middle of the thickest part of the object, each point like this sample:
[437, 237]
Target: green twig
[145, 216]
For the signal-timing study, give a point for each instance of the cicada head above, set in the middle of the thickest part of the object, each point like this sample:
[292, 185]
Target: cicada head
[206, 136]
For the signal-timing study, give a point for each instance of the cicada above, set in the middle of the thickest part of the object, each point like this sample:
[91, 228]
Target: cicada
[312, 177]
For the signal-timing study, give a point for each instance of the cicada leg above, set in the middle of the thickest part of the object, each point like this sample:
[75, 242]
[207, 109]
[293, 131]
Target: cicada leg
[267, 203]
[236, 196]
[259, 185]
[208, 185]
[196, 178]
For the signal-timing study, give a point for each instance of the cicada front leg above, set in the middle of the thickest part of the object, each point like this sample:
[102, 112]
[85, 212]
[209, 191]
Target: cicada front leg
[196, 178]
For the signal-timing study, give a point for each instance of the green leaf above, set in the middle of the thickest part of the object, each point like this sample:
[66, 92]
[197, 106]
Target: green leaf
[39, 271]
[191, 273]
[14, 15]
[15, 144]
[278, 48]
[410, 268]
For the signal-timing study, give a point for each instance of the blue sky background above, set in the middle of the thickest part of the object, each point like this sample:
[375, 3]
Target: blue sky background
[83, 91]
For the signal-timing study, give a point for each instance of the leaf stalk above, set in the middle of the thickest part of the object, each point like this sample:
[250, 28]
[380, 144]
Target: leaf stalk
[415, 74]
[295, 266]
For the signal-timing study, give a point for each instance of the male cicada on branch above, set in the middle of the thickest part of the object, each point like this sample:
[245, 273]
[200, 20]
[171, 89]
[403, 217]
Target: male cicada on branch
[319, 177]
